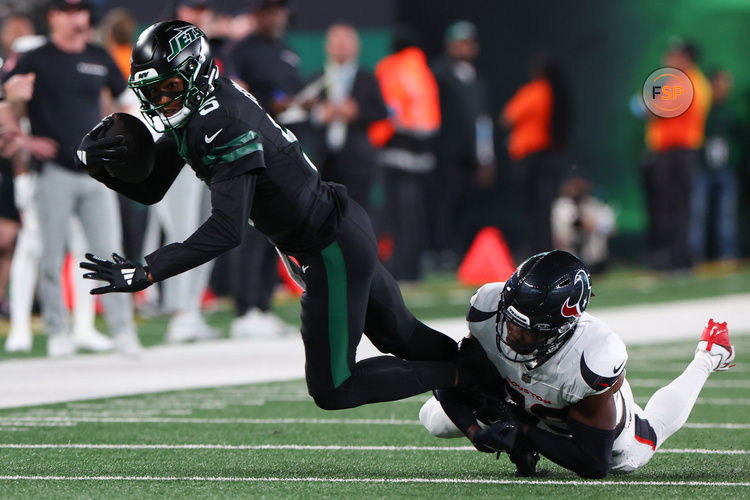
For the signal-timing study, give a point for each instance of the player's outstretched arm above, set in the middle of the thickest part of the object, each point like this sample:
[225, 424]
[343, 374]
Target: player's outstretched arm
[230, 206]
[591, 423]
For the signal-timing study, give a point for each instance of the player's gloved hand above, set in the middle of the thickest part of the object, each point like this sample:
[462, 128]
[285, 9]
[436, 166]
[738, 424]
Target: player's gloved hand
[494, 409]
[122, 274]
[96, 151]
[500, 436]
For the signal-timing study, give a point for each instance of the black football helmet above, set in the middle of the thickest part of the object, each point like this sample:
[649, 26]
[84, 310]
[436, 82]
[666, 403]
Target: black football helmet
[165, 50]
[546, 295]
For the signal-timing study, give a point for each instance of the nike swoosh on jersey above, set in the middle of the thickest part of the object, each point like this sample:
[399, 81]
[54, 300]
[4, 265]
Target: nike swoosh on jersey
[595, 381]
[210, 139]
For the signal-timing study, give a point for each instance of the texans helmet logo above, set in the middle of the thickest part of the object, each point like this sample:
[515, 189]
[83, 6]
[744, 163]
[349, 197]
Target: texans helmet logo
[576, 303]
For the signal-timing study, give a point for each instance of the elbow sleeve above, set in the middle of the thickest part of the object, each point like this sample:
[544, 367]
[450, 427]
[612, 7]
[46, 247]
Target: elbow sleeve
[596, 445]
[587, 452]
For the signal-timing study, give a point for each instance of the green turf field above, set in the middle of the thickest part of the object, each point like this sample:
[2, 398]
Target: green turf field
[269, 440]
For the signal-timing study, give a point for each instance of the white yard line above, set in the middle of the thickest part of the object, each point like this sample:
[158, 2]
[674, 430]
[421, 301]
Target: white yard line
[72, 420]
[712, 383]
[299, 447]
[530, 482]
[698, 425]
[21, 420]
[722, 402]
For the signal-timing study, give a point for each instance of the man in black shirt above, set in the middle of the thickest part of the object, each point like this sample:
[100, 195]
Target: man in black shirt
[70, 77]
[465, 157]
[265, 63]
[258, 174]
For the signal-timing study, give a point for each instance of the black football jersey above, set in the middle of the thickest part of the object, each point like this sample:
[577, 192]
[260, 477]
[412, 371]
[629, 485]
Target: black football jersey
[231, 135]
[257, 174]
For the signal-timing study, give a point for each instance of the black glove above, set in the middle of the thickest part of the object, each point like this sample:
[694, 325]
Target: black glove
[500, 436]
[525, 456]
[491, 409]
[97, 151]
[122, 274]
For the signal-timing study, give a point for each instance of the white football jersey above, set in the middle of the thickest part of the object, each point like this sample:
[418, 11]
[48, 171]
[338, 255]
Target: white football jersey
[588, 363]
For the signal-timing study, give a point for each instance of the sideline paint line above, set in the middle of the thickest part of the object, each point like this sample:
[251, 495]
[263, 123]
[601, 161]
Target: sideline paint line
[299, 447]
[376, 480]
[68, 421]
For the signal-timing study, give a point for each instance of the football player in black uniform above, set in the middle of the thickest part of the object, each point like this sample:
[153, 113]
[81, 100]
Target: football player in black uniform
[258, 174]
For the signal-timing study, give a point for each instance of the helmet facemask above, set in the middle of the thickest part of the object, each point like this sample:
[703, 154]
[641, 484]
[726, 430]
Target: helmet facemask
[194, 92]
[540, 306]
[547, 339]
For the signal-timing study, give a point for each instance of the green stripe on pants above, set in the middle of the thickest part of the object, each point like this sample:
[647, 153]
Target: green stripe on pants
[338, 313]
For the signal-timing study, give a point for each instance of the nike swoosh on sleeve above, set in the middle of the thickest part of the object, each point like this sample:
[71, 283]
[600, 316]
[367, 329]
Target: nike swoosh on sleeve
[211, 138]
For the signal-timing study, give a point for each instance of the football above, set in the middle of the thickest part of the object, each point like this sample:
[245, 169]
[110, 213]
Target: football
[140, 155]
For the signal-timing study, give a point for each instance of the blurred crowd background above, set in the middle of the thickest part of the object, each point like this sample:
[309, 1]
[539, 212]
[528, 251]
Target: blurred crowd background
[443, 118]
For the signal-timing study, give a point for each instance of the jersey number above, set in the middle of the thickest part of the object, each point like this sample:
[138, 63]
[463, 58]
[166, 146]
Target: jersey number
[208, 106]
[286, 133]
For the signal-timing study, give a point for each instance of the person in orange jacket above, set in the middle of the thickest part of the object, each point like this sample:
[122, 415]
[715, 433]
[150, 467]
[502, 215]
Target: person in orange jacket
[674, 156]
[538, 119]
[411, 94]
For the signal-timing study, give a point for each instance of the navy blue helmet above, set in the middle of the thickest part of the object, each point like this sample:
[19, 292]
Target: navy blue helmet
[546, 295]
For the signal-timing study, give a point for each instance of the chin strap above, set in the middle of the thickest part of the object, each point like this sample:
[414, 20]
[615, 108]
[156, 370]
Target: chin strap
[205, 83]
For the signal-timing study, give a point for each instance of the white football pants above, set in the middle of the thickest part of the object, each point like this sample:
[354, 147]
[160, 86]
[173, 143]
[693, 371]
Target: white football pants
[24, 269]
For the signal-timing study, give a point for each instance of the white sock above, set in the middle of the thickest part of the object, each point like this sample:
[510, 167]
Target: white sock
[669, 407]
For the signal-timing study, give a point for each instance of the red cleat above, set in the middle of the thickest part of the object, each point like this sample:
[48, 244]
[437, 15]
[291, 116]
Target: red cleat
[715, 341]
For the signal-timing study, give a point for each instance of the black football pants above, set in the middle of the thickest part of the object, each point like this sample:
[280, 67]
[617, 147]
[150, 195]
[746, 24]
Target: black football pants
[349, 292]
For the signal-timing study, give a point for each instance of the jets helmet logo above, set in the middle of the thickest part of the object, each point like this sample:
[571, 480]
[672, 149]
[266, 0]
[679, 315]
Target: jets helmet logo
[182, 39]
[578, 300]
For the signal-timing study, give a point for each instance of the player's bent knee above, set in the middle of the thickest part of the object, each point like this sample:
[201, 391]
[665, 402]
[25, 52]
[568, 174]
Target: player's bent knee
[330, 400]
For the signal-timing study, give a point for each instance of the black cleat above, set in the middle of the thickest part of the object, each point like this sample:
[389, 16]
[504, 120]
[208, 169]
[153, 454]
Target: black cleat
[525, 462]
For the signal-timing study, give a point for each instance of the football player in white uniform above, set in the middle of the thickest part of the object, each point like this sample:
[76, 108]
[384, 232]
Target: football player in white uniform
[556, 377]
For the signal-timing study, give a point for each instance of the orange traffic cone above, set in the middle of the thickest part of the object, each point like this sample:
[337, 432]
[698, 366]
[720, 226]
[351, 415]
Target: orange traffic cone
[488, 259]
